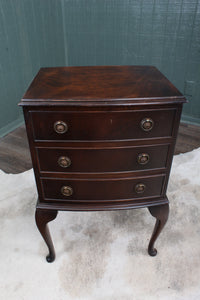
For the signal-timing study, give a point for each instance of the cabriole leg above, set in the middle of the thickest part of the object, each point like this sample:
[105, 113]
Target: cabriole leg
[42, 217]
[161, 213]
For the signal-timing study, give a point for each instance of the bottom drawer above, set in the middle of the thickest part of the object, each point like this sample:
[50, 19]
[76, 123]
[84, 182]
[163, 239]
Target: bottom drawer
[101, 190]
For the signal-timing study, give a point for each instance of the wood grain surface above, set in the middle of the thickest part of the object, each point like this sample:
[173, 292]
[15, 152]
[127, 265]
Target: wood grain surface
[100, 82]
[15, 154]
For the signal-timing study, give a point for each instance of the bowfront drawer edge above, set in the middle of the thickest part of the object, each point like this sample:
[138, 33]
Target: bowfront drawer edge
[97, 190]
[101, 206]
[102, 160]
[113, 125]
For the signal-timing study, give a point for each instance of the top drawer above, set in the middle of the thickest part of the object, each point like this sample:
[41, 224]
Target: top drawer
[57, 125]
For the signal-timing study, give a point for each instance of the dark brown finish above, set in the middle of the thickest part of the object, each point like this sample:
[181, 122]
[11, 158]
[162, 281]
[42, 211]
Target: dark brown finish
[42, 217]
[161, 213]
[101, 83]
[102, 138]
[81, 206]
[15, 153]
[90, 159]
[102, 125]
[94, 190]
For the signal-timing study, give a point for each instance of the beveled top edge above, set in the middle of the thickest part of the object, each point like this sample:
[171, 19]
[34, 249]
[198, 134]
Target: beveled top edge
[103, 102]
[101, 84]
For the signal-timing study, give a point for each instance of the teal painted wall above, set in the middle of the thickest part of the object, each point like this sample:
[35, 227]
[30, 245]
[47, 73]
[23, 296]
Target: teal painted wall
[31, 36]
[35, 33]
[149, 32]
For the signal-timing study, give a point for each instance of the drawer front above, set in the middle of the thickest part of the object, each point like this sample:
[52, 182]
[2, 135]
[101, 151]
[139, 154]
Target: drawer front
[101, 190]
[102, 160]
[102, 125]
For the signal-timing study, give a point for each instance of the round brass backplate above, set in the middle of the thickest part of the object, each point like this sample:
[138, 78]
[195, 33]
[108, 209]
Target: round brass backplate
[66, 191]
[60, 127]
[147, 124]
[143, 158]
[140, 188]
[64, 161]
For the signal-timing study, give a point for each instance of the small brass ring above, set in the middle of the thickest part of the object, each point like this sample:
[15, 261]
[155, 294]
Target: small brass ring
[143, 158]
[147, 124]
[64, 161]
[60, 127]
[66, 190]
[140, 188]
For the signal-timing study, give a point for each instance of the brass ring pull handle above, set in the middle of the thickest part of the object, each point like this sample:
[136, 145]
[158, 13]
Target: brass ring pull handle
[66, 190]
[147, 124]
[60, 127]
[64, 161]
[143, 158]
[140, 188]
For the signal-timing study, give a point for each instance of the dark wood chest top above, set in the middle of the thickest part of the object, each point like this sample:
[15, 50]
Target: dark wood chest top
[78, 85]
[101, 138]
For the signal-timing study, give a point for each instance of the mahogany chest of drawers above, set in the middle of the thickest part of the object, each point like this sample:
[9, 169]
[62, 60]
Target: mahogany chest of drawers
[101, 138]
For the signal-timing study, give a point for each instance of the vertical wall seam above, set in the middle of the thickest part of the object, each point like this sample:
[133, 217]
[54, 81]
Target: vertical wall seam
[177, 34]
[140, 30]
[191, 37]
[152, 30]
[66, 58]
[193, 103]
[164, 36]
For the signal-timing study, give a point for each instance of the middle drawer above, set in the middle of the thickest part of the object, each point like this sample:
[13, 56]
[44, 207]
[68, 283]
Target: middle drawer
[95, 160]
